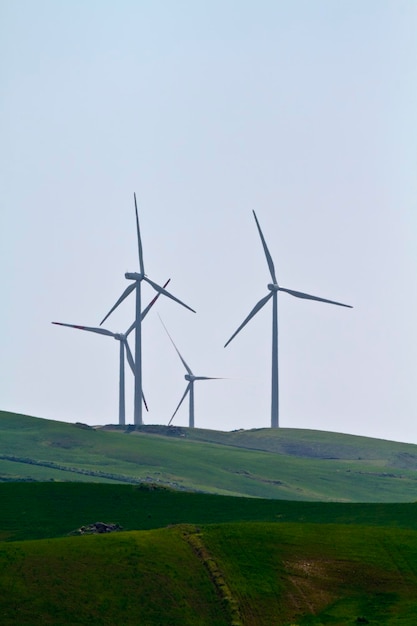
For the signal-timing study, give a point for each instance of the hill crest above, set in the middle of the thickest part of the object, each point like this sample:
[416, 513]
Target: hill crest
[282, 463]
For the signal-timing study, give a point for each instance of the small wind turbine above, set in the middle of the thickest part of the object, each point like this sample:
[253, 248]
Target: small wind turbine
[190, 378]
[273, 289]
[124, 349]
[138, 278]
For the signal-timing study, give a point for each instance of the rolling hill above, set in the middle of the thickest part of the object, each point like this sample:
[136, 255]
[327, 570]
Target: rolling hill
[250, 574]
[40, 510]
[224, 561]
[285, 464]
[189, 556]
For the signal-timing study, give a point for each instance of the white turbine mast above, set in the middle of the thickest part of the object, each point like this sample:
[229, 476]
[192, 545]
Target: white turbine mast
[137, 278]
[274, 288]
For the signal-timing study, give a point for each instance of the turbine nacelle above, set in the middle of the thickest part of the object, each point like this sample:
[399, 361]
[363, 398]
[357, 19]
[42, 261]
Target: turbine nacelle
[134, 276]
[190, 378]
[273, 287]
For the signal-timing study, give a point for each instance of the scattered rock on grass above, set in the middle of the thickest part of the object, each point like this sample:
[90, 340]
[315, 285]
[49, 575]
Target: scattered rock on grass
[97, 528]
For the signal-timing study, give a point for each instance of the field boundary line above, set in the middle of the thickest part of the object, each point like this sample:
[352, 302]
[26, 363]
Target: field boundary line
[192, 536]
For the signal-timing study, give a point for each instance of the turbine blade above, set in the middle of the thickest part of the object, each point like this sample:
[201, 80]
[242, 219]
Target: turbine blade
[166, 293]
[254, 311]
[187, 367]
[145, 311]
[300, 294]
[181, 401]
[122, 297]
[152, 302]
[132, 366]
[100, 331]
[141, 266]
[144, 402]
[129, 330]
[129, 356]
[207, 378]
[267, 253]
[131, 362]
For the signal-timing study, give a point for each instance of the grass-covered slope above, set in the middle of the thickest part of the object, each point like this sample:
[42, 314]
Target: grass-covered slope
[149, 578]
[315, 444]
[255, 574]
[38, 510]
[305, 574]
[282, 464]
[195, 559]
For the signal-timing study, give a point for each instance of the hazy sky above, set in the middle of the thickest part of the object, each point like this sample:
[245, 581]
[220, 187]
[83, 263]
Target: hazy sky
[304, 111]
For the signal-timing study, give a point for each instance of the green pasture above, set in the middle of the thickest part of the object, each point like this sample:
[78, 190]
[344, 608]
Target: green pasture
[317, 574]
[252, 574]
[37, 510]
[284, 464]
[125, 578]
[248, 528]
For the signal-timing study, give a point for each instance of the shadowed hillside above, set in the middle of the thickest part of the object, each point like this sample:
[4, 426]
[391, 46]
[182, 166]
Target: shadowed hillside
[38, 510]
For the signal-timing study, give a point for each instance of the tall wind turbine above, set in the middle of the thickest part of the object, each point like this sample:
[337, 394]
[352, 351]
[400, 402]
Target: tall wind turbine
[274, 288]
[137, 278]
[190, 378]
[124, 350]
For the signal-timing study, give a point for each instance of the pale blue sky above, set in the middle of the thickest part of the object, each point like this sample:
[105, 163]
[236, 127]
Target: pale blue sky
[303, 111]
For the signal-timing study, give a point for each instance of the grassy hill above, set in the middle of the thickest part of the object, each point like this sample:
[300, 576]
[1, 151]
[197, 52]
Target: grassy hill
[38, 510]
[302, 552]
[252, 574]
[280, 464]
[201, 559]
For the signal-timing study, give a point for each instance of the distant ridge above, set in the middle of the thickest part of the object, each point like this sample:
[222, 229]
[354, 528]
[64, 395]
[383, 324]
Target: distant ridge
[292, 464]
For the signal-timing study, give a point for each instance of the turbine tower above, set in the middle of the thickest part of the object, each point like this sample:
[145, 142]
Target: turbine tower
[124, 350]
[190, 378]
[137, 278]
[274, 288]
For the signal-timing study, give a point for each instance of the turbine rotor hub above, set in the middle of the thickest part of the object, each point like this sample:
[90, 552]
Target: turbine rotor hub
[189, 378]
[273, 287]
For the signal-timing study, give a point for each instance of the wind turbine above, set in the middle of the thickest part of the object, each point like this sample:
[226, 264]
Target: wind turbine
[138, 277]
[124, 350]
[274, 288]
[190, 378]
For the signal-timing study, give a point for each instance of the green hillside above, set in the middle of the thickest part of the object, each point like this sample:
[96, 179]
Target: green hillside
[195, 559]
[329, 539]
[252, 574]
[38, 510]
[305, 574]
[281, 464]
